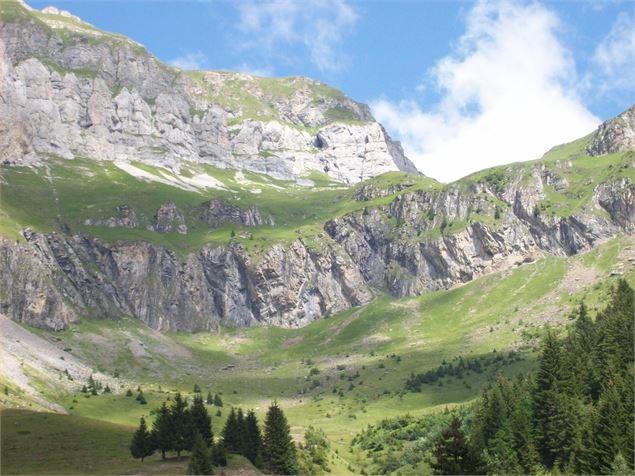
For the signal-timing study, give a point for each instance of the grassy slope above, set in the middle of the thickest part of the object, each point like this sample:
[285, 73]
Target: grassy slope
[71, 191]
[36, 443]
[384, 341]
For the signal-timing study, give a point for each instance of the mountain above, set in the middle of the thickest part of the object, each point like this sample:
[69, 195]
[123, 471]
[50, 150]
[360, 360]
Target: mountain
[193, 200]
[71, 90]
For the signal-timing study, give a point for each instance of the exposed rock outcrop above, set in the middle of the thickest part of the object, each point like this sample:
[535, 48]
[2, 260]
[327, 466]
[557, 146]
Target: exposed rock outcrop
[407, 246]
[71, 90]
[614, 135]
[55, 279]
[125, 218]
[216, 213]
[169, 219]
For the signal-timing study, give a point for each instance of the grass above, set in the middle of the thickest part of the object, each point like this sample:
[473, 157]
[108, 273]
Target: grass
[366, 352]
[48, 443]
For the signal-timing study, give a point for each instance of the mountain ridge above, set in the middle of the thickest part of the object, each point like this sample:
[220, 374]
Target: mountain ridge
[105, 215]
[73, 90]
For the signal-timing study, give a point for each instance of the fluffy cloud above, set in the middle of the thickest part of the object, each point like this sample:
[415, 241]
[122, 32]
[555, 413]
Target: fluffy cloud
[506, 93]
[319, 26]
[192, 60]
[615, 57]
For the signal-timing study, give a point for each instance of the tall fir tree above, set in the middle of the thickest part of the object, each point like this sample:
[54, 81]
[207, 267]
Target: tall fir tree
[240, 424]
[547, 404]
[253, 440]
[181, 425]
[451, 451]
[231, 432]
[200, 462]
[162, 431]
[201, 421]
[279, 455]
[142, 445]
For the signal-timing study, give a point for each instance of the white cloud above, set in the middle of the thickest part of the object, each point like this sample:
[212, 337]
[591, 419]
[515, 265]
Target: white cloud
[319, 26]
[615, 57]
[192, 60]
[507, 93]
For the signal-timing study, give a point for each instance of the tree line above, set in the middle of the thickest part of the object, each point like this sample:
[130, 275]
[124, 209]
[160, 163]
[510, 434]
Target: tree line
[182, 427]
[574, 415]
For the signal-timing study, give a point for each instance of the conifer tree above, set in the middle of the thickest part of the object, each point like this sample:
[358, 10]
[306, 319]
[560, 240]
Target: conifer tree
[219, 456]
[162, 432]
[142, 444]
[210, 399]
[181, 425]
[232, 432]
[218, 402]
[240, 424]
[609, 433]
[451, 451]
[253, 440]
[279, 455]
[200, 462]
[547, 411]
[201, 421]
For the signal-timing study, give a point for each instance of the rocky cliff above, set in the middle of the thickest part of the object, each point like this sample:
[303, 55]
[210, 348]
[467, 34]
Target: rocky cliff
[201, 229]
[71, 90]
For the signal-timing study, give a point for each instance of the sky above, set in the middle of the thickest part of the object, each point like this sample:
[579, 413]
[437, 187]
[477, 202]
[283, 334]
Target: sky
[463, 85]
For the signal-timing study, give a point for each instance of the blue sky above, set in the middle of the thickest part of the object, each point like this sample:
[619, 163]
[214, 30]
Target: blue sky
[464, 85]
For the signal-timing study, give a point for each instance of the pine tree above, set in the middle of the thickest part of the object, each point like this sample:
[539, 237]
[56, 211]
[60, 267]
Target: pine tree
[219, 456]
[279, 454]
[210, 399]
[609, 434]
[201, 421]
[142, 444]
[181, 425]
[162, 431]
[218, 402]
[231, 432]
[240, 424]
[196, 389]
[200, 462]
[547, 413]
[452, 452]
[253, 440]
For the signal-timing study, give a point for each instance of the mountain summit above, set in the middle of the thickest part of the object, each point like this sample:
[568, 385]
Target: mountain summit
[72, 90]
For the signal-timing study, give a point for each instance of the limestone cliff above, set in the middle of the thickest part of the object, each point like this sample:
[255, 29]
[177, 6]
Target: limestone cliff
[72, 90]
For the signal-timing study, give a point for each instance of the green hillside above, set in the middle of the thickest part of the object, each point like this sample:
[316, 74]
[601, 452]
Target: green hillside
[345, 372]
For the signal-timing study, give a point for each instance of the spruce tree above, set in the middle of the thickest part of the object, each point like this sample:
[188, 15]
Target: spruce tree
[218, 402]
[609, 434]
[219, 456]
[181, 425]
[451, 451]
[279, 455]
[162, 431]
[210, 399]
[142, 444]
[200, 462]
[240, 424]
[232, 432]
[201, 421]
[253, 440]
[547, 411]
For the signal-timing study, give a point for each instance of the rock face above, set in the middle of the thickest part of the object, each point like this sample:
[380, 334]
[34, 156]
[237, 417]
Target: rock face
[406, 246]
[125, 218]
[70, 90]
[216, 213]
[615, 135]
[54, 279]
[169, 218]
